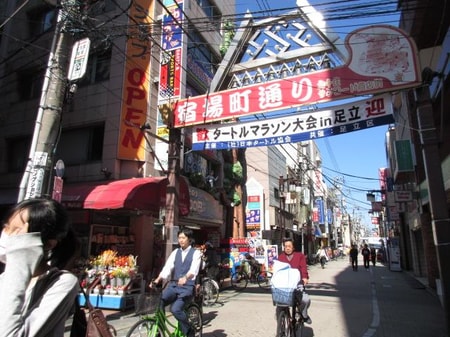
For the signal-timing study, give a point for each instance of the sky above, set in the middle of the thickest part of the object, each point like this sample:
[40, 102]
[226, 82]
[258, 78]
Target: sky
[354, 157]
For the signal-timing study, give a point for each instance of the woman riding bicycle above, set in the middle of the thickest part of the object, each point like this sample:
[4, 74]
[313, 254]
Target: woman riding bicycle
[181, 269]
[297, 260]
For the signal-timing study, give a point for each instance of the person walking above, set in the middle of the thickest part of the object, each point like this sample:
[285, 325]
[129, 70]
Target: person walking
[37, 244]
[373, 255]
[297, 260]
[354, 257]
[366, 256]
[180, 269]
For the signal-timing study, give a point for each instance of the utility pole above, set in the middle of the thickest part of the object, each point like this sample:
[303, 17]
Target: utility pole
[172, 194]
[440, 221]
[36, 179]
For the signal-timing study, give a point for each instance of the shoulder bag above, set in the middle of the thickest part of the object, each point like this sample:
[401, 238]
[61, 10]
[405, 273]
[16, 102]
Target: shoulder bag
[96, 325]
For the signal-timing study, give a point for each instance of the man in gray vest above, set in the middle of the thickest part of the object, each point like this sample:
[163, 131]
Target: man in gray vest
[180, 270]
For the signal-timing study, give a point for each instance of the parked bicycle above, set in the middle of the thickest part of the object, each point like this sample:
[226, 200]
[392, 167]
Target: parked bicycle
[290, 322]
[158, 324]
[209, 289]
[251, 271]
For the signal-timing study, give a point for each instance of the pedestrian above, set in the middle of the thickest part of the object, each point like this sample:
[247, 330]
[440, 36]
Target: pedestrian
[211, 264]
[366, 256]
[354, 257]
[373, 255]
[181, 270]
[36, 245]
[297, 260]
[323, 256]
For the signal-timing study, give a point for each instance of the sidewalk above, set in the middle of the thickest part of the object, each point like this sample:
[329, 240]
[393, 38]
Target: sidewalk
[374, 303]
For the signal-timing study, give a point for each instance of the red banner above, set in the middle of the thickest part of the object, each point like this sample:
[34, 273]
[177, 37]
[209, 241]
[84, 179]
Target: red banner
[383, 59]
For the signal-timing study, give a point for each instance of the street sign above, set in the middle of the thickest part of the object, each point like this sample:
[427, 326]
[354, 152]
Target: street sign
[79, 59]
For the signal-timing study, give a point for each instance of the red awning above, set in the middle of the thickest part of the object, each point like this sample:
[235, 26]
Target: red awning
[146, 194]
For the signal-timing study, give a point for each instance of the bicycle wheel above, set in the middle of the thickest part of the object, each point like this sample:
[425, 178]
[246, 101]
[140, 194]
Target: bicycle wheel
[298, 329]
[239, 280]
[264, 279]
[284, 324]
[210, 290]
[145, 328]
[194, 315]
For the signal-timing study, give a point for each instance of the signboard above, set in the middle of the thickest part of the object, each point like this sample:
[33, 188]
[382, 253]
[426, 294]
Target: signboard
[383, 59]
[79, 59]
[345, 118]
[253, 212]
[170, 73]
[136, 82]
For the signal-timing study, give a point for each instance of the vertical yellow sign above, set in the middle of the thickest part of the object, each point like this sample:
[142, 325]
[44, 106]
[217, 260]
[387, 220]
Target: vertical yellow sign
[136, 80]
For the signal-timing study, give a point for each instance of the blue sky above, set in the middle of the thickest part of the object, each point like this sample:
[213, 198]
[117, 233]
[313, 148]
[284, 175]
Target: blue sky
[354, 157]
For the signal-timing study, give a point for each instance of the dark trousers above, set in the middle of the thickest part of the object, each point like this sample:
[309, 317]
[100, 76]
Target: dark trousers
[366, 261]
[354, 263]
[178, 296]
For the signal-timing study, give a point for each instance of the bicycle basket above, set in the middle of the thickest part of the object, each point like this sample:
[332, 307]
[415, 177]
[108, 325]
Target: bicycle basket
[283, 296]
[147, 303]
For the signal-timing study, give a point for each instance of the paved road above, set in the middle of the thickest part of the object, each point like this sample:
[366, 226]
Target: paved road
[373, 303]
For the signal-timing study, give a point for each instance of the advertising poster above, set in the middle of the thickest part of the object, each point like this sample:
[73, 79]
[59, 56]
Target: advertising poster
[272, 255]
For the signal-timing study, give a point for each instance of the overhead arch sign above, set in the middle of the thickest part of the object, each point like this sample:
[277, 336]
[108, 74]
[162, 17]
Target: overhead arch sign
[382, 59]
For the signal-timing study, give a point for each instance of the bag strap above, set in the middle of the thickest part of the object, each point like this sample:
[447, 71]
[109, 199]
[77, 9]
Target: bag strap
[86, 296]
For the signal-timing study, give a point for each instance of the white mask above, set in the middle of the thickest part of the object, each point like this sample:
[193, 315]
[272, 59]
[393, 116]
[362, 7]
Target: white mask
[3, 237]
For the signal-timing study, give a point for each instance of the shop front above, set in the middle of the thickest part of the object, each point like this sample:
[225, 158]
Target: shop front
[205, 217]
[119, 218]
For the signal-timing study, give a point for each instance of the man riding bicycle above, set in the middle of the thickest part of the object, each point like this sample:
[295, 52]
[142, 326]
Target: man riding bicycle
[181, 269]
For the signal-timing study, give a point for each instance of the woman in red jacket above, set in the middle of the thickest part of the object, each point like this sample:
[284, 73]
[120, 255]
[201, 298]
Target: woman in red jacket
[297, 260]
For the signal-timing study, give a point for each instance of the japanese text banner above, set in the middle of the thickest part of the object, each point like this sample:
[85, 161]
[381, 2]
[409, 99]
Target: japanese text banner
[383, 59]
[297, 127]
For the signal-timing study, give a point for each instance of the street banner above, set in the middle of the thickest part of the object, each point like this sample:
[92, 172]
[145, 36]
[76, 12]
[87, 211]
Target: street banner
[135, 93]
[383, 59]
[344, 118]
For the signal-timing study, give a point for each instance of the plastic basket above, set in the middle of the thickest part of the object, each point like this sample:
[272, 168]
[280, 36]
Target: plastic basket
[147, 303]
[283, 296]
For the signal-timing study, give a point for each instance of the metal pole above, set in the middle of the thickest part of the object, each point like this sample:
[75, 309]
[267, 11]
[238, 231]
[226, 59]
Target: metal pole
[38, 171]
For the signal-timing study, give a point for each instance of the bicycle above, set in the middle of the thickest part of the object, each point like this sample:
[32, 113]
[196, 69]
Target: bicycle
[290, 322]
[209, 289]
[241, 278]
[158, 324]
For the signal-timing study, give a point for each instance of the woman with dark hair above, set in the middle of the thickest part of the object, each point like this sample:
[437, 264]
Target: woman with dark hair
[36, 244]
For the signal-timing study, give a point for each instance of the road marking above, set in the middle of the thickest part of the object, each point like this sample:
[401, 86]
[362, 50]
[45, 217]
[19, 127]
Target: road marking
[375, 310]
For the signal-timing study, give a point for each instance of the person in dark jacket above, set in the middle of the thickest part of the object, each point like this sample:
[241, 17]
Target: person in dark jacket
[366, 256]
[354, 257]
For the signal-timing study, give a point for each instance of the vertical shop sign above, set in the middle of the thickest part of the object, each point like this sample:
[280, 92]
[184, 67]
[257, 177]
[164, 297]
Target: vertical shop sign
[170, 73]
[253, 212]
[135, 85]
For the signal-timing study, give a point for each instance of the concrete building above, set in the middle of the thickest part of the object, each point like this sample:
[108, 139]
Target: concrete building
[111, 136]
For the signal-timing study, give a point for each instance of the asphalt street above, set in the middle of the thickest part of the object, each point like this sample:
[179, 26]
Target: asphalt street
[364, 303]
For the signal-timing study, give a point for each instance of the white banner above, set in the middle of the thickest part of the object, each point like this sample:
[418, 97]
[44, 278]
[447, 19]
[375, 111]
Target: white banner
[341, 119]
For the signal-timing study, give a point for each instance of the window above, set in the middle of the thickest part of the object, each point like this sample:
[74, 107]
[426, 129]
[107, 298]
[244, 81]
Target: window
[81, 146]
[98, 68]
[199, 51]
[41, 20]
[210, 9]
[17, 153]
[30, 83]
